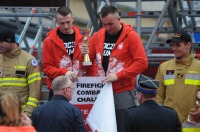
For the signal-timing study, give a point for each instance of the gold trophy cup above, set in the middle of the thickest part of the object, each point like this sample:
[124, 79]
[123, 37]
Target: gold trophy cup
[85, 32]
[197, 105]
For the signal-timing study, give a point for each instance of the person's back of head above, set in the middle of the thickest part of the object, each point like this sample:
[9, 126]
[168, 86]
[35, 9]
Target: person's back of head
[62, 85]
[64, 11]
[10, 110]
[108, 9]
[147, 87]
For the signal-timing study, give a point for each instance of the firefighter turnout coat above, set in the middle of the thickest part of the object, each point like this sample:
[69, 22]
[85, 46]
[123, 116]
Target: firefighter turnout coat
[179, 84]
[19, 73]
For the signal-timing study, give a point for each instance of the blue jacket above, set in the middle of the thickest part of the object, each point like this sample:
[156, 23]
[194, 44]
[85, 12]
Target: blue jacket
[58, 115]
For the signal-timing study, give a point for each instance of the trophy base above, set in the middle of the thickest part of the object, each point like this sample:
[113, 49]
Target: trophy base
[87, 63]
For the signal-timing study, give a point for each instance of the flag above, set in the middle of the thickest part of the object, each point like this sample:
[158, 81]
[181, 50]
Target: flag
[102, 115]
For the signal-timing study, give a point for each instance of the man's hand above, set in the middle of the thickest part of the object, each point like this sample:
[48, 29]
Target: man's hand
[28, 113]
[84, 49]
[26, 120]
[196, 115]
[111, 77]
[72, 76]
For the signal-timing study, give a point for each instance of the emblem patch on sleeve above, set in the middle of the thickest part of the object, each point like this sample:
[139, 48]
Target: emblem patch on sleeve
[34, 62]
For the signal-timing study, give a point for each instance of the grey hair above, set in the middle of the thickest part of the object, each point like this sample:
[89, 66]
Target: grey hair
[60, 82]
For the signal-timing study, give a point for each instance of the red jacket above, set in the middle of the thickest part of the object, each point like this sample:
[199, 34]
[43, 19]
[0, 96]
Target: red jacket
[127, 59]
[17, 129]
[55, 59]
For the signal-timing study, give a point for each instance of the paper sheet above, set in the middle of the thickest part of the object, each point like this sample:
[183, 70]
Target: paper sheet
[102, 115]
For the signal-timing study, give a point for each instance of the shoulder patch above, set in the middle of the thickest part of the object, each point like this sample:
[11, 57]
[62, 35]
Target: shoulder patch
[34, 62]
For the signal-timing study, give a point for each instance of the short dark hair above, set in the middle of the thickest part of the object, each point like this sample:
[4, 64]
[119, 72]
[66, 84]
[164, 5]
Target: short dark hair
[149, 95]
[64, 11]
[108, 9]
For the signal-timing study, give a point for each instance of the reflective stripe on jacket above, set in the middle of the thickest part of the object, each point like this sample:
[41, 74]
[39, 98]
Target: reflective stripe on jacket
[179, 83]
[190, 79]
[19, 73]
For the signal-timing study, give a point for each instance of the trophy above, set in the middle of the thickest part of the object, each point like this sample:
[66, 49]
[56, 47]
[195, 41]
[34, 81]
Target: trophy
[197, 105]
[85, 32]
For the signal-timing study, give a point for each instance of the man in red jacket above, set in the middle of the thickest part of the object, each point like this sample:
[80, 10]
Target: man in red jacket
[61, 48]
[120, 57]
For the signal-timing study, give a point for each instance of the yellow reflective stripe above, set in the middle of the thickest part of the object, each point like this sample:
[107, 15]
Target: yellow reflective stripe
[23, 106]
[169, 81]
[13, 82]
[32, 101]
[34, 77]
[20, 67]
[20, 79]
[191, 130]
[192, 82]
[32, 104]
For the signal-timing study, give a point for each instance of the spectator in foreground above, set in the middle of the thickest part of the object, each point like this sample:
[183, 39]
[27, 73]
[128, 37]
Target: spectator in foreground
[149, 116]
[11, 117]
[58, 115]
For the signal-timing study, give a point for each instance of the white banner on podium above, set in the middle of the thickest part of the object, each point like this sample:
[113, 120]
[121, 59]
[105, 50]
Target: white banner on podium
[86, 90]
[102, 115]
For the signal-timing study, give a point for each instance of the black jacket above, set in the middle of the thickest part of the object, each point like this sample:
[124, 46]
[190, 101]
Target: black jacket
[58, 115]
[150, 117]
